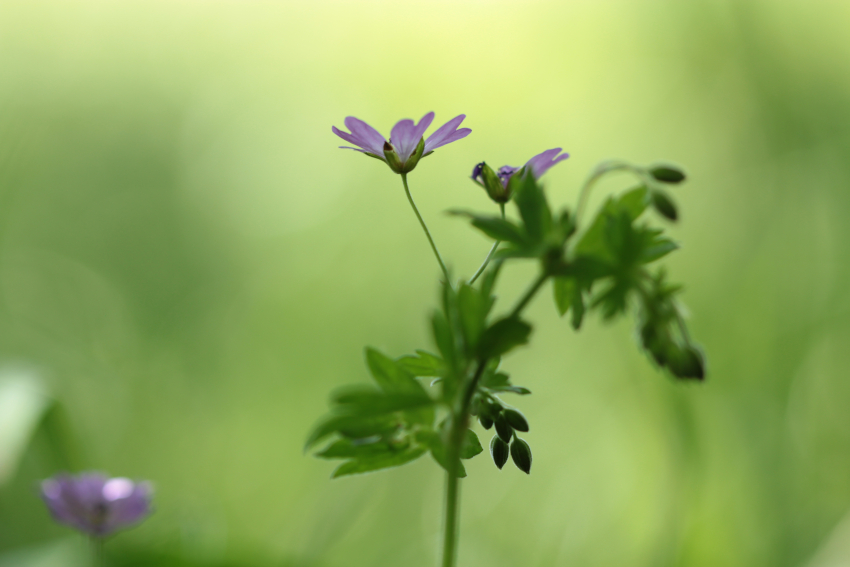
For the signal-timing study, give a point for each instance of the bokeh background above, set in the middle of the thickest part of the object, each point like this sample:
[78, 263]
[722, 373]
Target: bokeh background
[188, 265]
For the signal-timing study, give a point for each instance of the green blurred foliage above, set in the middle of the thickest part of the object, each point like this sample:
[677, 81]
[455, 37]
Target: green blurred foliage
[189, 265]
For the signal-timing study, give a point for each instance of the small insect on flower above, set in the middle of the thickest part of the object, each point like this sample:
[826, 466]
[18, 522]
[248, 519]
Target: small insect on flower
[496, 183]
[406, 145]
[95, 504]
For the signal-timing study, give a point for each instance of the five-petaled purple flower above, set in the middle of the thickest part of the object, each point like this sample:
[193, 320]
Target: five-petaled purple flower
[496, 183]
[406, 145]
[94, 504]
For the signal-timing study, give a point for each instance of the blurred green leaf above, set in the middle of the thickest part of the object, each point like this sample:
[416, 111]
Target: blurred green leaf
[496, 228]
[422, 364]
[473, 308]
[471, 445]
[378, 462]
[391, 375]
[532, 205]
[502, 336]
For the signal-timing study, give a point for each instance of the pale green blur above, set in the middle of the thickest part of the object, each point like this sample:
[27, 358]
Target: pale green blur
[188, 265]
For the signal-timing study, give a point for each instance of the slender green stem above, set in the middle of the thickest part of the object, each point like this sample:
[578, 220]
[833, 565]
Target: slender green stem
[604, 168]
[529, 294]
[460, 421]
[425, 228]
[490, 255]
[451, 517]
[97, 551]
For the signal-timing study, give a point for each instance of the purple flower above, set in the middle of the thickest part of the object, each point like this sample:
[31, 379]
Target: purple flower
[94, 504]
[496, 183]
[406, 145]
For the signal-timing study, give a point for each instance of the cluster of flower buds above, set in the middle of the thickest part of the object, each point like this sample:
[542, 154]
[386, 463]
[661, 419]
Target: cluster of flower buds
[507, 422]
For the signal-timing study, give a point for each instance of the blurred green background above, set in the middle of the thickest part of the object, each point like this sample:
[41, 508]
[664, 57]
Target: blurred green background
[188, 265]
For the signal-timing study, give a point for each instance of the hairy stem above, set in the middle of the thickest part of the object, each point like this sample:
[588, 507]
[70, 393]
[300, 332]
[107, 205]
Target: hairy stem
[490, 255]
[425, 228]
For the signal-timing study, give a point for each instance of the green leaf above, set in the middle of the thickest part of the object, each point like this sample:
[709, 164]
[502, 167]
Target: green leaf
[422, 364]
[502, 336]
[635, 201]
[352, 426]
[564, 288]
[473, 308]
[535, 213]
[578, 310]
[658, 249]
[354, 449]
[389, 374]
[496, 228]
[507, 252]
[471, 445]
[491, 379]
[438, 451]
[443, 337]
[378, 462]
[369, 401]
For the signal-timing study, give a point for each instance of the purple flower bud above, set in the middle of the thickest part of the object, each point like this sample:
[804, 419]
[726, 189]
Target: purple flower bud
[406, 139]
[94, 504]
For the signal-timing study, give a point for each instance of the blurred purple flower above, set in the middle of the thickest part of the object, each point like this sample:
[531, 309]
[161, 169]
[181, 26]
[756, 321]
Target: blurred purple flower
[95, 504]
[406, 145]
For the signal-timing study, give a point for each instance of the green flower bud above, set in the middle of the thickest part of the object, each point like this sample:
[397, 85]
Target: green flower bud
[503, 428]
[664, 205]
[486, 421]
[521, 454]
[667, 174]
[499, 451]
[516, 420]
[484, 175]
[687, 362]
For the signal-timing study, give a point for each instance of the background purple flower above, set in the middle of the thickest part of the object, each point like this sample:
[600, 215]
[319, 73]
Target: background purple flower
[95, 504]
[404, 137]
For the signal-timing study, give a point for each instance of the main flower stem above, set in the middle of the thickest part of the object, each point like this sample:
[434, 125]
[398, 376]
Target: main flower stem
[490, 255]
[97, 551]
[425, 228]
[460, 422]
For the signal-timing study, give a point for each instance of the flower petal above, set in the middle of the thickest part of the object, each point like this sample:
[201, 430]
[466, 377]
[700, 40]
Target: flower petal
[371, 138]
[505, 173]
[424, 122]
[447, 133]
[542, 162]
[403, 138]
[130, 508]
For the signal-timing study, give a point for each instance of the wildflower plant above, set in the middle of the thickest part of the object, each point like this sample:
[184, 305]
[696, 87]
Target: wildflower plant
[425, 402]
